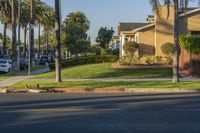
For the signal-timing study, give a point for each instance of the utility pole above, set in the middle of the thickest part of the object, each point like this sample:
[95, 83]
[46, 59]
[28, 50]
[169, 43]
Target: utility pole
[58, 34]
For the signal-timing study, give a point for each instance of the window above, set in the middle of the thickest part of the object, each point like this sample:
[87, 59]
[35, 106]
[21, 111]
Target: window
[195, 33]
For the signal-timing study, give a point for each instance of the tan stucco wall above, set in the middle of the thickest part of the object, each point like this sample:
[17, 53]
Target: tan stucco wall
[189, 23]
[164, 28]
[147, 41]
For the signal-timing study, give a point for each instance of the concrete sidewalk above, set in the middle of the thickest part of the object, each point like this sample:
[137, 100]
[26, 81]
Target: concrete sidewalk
[15, 79]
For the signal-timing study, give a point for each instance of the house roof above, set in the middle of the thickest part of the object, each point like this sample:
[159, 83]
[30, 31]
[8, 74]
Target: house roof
[190, 11]
[143, 27]
[130, 26]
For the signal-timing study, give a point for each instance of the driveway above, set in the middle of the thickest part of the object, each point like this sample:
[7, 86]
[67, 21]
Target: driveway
[99, 113]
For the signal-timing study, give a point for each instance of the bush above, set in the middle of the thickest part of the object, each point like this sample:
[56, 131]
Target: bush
[169, 60]
[190, 43]
[167, 48]
[159, 59]
[150, 60]
[131, 47]
[126, 60]
[86, 60]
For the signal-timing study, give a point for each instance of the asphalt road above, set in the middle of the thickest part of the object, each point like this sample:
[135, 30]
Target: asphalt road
[99, 113]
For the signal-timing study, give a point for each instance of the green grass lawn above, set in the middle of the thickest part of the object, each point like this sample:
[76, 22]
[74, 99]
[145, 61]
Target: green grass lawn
[110, 84]
[106, 71]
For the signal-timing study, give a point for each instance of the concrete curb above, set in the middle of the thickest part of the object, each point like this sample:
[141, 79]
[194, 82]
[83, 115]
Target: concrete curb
[104, 90]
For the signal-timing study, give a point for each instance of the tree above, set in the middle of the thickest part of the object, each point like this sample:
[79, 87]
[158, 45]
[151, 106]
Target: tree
[15, 65]
[104, 37]
[58, 47]
[5, 18]
[178, 5]
[25, 17]
[76, 26]
[31, 35]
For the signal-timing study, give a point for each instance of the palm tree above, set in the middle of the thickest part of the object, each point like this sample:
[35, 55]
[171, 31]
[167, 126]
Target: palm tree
[31, 34]
[15, 66]
[25, 17]
[58, 35]
[5, 17]
[178, 5]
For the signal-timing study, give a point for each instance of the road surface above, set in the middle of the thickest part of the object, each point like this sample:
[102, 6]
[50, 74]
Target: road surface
[99, 113]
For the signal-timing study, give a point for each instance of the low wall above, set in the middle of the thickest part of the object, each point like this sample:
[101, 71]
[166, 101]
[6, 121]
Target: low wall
[190, 63]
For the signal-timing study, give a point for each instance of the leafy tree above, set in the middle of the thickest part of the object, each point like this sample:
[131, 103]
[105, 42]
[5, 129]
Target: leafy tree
[104, 37]
[76, 26]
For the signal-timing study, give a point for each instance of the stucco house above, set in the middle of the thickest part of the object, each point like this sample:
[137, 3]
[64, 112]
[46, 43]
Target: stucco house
[159, 30]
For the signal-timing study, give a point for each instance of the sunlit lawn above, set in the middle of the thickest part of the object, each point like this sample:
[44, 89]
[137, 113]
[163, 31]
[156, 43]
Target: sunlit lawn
[106, 71]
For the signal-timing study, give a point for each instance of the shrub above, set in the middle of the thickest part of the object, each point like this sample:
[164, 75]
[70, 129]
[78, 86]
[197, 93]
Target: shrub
[86, 60]
[150, 59]
[131, 47]
[159, 60]
[126, 60]
[190, 43]
[167, 48]
[169, 60]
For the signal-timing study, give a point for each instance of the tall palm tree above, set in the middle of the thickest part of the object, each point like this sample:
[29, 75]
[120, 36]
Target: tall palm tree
[15, 65]
[58, 36]
[5, 18]
[178, 5]
[31, 34]
[25, 17]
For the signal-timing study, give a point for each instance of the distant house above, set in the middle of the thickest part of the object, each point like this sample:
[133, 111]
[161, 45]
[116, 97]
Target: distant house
[115, 43]
[159, 30]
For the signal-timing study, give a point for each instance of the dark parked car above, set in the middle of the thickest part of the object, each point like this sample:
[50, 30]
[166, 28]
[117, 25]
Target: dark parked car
[43, 60]
[23, 63]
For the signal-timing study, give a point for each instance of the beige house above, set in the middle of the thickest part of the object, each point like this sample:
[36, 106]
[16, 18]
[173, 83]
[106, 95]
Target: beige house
[158, 30]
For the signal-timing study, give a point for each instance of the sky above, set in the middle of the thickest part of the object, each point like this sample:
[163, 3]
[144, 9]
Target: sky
[106, 13]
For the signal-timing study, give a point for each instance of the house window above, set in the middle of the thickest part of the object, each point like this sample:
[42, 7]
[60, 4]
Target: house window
[195, 33]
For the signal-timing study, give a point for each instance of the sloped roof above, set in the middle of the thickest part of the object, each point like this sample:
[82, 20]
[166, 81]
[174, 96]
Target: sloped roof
[130, 26]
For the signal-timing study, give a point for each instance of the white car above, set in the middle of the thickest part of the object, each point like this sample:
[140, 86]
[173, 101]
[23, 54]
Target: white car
[5, 65]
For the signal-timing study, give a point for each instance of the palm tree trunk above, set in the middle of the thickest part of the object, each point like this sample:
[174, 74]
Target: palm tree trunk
[5, 39]
[31, 36]
[58, 46]
[39, 41]
[25, 45]
[47, 41]
[176, 43]
[14, 44]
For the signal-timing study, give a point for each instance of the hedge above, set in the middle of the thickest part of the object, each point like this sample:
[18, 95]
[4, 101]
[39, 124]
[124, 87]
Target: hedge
[86, 60]
[190, 43]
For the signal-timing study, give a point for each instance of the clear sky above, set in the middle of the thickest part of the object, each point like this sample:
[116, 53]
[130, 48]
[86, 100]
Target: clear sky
[108, 13]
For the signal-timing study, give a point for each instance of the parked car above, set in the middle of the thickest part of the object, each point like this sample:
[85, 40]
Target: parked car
[23, 63]
[43, 60]
[5, 66]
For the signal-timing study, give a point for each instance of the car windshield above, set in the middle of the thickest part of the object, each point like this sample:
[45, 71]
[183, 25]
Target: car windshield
[3, 62]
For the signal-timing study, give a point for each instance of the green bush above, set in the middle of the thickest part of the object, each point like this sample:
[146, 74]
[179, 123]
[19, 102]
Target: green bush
[150, 60]
[131, 47]
[86, 60]
[159, 60]
[190, 43]
[167, 48]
